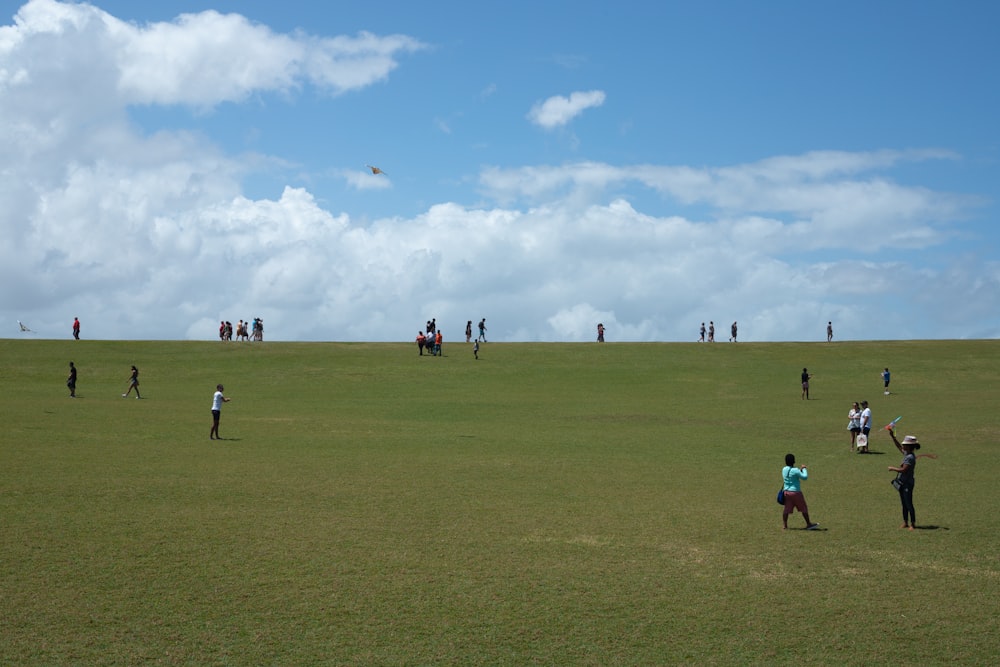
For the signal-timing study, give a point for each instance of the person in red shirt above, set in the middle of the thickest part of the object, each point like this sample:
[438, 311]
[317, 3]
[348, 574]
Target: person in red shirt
[76, 328]
[421, 340]
[437, 343]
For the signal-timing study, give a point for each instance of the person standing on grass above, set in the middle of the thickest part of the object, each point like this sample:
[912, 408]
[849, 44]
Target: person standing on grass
[421, 340]
[885, 380]
[794, 500]
[438, 339]
[71, 380]
[904, 477]
[133, 383]
[854, 423]
[829, 332]
[866, 419]
[805, 384]
[475, 350]
[701, 331]
[217, 400]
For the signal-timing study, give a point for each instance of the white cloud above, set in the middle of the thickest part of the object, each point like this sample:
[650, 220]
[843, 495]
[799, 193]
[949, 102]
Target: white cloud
[152, 236]
[200, 59]
[557, 111]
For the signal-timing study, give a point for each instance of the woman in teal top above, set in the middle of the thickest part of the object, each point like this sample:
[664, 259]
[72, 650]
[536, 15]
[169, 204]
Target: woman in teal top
[794, 500]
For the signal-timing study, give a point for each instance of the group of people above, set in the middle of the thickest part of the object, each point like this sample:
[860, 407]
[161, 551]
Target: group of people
[431, 341]
[792, 476]
[860, 425]
[132, 382]
[711, 332]
[244, 331]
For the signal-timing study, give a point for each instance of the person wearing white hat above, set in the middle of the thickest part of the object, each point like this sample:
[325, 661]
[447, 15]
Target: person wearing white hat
[904, 477]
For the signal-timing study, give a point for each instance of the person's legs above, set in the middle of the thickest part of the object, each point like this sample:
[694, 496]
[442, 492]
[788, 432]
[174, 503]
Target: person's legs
[909, 513]
[214, 434]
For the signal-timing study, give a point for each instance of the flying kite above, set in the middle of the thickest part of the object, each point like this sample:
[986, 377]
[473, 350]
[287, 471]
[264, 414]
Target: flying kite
[24, 328]
[375, 170]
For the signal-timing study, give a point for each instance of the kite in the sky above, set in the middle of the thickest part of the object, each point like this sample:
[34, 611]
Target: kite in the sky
[376, 170]
[24, 328]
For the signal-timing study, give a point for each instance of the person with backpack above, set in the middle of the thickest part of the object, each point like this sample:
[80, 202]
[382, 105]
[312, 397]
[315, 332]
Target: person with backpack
[794, 500]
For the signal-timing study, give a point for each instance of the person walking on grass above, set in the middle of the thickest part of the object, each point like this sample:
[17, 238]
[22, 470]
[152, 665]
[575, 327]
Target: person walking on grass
[133, 383]
[71, 380]
[794, 500]
[475, 350]
[904, 477]
[482, 330]
[805, 384]
[217, 400]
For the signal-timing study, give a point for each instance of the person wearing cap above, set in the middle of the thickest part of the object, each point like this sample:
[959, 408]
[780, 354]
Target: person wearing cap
[794, 500]
[904, 477]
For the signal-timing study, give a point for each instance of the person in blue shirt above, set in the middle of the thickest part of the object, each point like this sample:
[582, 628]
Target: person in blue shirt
[885, 380]
[794, 500]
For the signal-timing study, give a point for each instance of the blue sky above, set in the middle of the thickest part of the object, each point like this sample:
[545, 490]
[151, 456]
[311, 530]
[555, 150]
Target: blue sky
[548, 166]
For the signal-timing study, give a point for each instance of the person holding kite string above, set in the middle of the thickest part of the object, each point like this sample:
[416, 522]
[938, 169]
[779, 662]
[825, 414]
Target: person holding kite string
[794, 500]
[904, 477]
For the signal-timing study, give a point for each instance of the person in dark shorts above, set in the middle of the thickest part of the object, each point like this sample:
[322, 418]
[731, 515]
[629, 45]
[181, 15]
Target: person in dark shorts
[133, 383]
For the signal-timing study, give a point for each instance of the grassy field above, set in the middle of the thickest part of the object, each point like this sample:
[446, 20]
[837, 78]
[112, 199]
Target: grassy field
[549, 504]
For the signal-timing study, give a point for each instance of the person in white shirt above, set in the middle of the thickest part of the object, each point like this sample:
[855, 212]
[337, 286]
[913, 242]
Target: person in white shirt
[866, 426]
[217, 400]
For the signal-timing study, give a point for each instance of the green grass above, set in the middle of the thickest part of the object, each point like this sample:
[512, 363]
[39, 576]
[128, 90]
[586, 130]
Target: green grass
[575, 504]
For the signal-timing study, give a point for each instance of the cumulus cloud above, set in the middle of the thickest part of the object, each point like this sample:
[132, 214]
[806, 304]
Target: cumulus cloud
[557, 111]
[200, 59]
[153, 236]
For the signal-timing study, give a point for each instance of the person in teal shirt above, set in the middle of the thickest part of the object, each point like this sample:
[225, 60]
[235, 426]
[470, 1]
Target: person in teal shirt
[794, 500]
